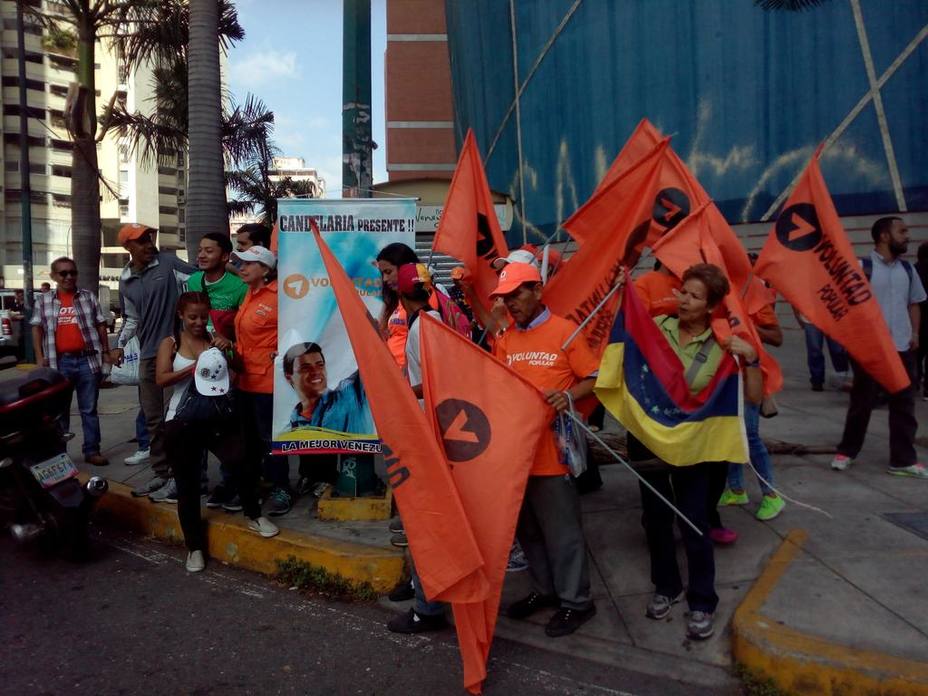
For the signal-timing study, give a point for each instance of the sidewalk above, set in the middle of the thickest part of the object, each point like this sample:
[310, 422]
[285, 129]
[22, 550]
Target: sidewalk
[825, 605]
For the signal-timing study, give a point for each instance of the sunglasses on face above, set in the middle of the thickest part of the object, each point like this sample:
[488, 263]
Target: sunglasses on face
[65, 274]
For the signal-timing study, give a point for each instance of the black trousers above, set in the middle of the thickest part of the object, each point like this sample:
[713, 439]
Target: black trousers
[687, 487]
[902, 422]
[185, 445]
[718, 479]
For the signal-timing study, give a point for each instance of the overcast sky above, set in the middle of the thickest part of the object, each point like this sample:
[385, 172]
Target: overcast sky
[291, 58]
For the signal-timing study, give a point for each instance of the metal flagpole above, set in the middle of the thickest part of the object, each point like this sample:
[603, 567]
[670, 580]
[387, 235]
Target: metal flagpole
[587, 320]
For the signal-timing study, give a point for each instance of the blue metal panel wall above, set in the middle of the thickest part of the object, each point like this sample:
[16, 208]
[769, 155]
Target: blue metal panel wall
[747, 95]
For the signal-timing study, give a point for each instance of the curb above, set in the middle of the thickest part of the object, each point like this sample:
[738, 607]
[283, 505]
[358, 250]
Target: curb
[806, 664]
[230, 541]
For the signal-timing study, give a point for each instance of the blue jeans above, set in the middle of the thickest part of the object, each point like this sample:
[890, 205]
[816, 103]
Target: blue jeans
[816, 357]
[87, 387]
[760, 458]
[141, 431]
[422, 605]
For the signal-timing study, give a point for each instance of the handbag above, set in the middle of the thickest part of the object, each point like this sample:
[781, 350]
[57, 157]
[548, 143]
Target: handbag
[768, 407]
[127, 372]
[570, 440]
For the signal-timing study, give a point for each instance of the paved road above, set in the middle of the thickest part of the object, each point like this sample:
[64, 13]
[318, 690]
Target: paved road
[132, 620]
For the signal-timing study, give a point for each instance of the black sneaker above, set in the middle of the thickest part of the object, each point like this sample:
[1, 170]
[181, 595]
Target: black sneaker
[566, 621]
[220, 495]
[524, 608]
[279, 503]
[233, 504]
[304, 486]
[411, 622]
[402, 592]
[399, 540]
[396, 526]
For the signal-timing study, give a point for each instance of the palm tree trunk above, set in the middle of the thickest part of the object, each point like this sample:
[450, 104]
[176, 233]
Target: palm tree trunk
[85, 182]
[206, 198]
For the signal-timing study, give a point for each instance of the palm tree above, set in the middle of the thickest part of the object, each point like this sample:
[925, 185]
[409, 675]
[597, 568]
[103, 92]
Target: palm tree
[86, 20]
[206, 199]
[255, 190]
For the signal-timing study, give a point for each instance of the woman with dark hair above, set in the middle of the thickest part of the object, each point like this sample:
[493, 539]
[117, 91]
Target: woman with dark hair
[393, 317]
[190, 433]
[690, 336]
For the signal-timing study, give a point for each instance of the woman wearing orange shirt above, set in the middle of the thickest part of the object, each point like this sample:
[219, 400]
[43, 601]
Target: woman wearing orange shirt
[255, 348]
[393, 317]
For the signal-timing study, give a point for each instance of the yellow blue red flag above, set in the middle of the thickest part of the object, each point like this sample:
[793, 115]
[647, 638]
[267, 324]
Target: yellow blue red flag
[642, 383]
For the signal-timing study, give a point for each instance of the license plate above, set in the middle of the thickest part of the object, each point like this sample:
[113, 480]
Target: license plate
[53, 471]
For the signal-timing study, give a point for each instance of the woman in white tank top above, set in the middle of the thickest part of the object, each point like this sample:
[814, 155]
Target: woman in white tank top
[186, 440]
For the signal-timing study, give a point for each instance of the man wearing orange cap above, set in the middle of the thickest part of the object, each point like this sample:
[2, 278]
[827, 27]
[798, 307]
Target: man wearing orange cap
[549, 528]
[149, 286]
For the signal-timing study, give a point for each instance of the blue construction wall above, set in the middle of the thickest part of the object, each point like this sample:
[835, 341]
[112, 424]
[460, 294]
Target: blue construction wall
[747, 95]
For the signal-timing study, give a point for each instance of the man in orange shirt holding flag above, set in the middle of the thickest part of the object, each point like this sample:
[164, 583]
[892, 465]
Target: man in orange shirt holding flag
[549, 527]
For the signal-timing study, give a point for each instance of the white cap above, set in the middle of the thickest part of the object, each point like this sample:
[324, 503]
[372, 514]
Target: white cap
[211, 376]
[516, 256]
[259, 254]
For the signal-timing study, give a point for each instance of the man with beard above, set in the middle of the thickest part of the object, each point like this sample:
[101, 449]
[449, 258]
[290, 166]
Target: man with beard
[899, 291]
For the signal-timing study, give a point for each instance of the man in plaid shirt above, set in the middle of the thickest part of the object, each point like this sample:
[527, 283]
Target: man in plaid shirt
[69, 335]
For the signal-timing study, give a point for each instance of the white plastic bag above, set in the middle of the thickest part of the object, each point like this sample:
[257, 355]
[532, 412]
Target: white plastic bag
[127, 373]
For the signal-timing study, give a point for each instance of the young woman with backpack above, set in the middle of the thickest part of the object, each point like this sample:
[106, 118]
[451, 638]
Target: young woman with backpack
[201, 418]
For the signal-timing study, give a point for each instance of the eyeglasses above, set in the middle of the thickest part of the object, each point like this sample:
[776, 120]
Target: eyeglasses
[65, 274]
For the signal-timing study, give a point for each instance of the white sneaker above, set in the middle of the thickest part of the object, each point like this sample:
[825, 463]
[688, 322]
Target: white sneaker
[195, 562]
[137, 458]
[841, 462]
[264, 527]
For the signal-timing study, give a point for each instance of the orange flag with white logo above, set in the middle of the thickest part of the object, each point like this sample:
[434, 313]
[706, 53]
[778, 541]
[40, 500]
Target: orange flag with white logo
[489, 421]
[469, 229]
[692, 243]
[586, 280]
[446, 554]
[809, 259]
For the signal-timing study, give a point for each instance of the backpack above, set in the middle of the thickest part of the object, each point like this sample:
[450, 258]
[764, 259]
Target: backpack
[195, 407]
[867, 264]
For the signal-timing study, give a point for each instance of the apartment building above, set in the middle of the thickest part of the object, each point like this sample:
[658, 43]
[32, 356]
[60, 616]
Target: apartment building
[135, 192]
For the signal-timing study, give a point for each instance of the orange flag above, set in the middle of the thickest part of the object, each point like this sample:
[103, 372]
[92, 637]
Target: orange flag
[624, 206]
[440, 538]
[469, 229]
[490, 421]
[808, 258]
[693, 242]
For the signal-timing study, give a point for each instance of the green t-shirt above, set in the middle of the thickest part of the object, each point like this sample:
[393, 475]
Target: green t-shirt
[225, 297]
[671, 328]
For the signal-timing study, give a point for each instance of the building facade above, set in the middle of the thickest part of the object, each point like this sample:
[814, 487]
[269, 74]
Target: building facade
[134, 191]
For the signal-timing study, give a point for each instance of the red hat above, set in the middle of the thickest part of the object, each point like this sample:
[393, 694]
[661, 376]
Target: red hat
[409, 275]
[513, 275]
[133, 230]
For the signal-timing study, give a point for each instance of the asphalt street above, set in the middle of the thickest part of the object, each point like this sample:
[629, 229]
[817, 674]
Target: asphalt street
[132, 620]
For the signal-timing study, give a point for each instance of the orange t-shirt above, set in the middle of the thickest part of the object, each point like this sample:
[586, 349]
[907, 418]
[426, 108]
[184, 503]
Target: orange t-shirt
[656, 292]
[398, 330]
[766, 317]
[537, 356]
[68, 337]
[256, 333]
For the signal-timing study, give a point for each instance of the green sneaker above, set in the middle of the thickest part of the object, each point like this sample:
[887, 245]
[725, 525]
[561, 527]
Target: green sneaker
[729, 497]
[770, 507]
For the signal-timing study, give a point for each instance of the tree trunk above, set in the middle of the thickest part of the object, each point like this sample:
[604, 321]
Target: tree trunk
[85, 184]
[206, 196]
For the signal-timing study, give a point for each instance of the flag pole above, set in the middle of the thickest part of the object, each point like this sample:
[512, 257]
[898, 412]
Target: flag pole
[618, 457]
[586, 321]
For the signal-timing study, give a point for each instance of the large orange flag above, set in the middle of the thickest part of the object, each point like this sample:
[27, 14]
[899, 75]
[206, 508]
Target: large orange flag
[625, 206]
[678, 193]
[469, 229]
[490, 421]
[808, 258]
[446, 554]
[693, 242]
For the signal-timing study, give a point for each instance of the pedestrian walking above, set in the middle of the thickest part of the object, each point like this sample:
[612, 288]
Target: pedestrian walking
[149, 286]
[898, 290]
[201, 418]
[69, 335]
[922, 267]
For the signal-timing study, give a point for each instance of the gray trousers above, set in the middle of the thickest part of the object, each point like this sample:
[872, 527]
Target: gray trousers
[551, 534]
[151, 399]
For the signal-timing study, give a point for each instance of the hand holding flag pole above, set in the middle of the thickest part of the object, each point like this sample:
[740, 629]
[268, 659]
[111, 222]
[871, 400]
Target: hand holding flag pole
[618, 285]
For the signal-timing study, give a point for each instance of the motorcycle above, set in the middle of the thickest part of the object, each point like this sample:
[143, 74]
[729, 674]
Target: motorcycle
[41, 498]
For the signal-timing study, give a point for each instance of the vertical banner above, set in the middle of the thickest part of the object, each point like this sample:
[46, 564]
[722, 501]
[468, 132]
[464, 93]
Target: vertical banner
[320, 405]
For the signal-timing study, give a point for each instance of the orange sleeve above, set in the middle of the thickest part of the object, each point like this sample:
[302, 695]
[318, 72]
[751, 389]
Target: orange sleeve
[766, 317]
[581, 358]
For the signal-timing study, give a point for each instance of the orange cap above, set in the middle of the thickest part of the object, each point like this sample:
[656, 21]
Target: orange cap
[132, 230]
[513, 275]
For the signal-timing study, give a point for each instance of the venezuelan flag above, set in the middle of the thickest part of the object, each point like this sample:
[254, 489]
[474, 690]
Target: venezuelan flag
[641, 382]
